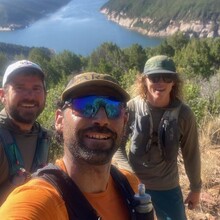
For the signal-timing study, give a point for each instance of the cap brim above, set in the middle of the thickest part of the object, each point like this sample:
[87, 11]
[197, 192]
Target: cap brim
[26, 70]
[9, 76]
[33, 69]
[96, 87]
[159, 72]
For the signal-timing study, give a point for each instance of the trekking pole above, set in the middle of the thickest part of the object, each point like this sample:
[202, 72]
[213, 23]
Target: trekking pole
[145, 208]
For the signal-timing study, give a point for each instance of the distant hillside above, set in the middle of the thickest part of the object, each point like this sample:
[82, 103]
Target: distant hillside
[20, 13]
[165, 17]
[11, 50]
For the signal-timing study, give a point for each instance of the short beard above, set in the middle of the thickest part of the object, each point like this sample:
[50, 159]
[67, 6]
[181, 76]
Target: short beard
[98, 156]
[29, 118]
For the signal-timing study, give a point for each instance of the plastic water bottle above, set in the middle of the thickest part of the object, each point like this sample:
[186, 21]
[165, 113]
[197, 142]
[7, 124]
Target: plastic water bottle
[145, 207]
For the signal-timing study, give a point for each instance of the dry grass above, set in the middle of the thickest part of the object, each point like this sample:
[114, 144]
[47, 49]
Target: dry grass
[209, 208]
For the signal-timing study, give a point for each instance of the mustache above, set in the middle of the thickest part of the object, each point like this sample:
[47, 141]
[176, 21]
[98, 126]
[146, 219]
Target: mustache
[28, 101]
[100, 129]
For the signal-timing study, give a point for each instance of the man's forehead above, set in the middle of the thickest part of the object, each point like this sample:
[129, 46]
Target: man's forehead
[23, 77]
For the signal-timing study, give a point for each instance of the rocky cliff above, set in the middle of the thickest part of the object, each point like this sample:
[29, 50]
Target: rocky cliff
[192, 28]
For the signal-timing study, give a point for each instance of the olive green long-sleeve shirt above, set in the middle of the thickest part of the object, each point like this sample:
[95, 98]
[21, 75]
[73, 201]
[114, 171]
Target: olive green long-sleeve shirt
[27, 144]
[149, 165]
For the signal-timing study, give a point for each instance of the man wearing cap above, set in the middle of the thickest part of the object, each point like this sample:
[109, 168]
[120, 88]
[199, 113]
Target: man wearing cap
[23, 142]
[159, 125]
[92, 121]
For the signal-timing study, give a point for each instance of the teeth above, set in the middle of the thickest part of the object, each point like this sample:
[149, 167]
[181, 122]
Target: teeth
[98, 136]
[28, 105]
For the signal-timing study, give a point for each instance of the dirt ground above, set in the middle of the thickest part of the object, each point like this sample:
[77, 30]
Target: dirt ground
[209, 207]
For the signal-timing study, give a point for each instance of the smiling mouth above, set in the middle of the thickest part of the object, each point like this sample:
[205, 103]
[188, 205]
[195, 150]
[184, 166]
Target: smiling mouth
[28, 105]
[98, 136]
[159, 90]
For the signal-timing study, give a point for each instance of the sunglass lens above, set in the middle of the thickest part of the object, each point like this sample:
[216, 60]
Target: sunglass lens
[85, 106]
[154, 78]
[88, 106]
[168, 78]
[113, 109]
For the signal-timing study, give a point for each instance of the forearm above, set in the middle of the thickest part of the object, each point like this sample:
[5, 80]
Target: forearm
[191, 154]
[193, 171]
[120, 158]
[192, 163]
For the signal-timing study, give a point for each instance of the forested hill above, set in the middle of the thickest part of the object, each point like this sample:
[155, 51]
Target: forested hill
[20, 13]
[164, 17]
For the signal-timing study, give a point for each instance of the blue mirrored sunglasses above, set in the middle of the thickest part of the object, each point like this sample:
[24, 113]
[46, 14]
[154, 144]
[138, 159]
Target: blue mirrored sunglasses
[88, 106]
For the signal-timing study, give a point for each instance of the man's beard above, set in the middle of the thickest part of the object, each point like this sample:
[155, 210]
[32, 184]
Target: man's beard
[27, 118]
[96, 156]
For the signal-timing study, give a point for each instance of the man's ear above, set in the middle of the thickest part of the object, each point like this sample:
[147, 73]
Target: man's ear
[126, 117]
[2, 95]
[59, 120]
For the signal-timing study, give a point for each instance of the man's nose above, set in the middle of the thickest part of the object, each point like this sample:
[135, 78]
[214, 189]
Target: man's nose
[101, 117]
[28, 92]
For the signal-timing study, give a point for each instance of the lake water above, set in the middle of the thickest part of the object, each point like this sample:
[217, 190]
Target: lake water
[78, 27]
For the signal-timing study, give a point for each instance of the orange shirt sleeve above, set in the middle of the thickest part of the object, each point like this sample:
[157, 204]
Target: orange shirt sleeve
[29, 202]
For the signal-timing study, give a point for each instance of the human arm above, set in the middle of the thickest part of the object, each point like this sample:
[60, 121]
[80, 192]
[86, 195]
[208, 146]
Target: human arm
[35, 200]
[120, 158]
[191, 155]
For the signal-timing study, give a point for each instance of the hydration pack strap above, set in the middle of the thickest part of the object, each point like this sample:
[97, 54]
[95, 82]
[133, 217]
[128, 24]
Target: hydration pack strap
[126, 190]
[14, 156]
[76, 204]
[12, 152]
[42, 150]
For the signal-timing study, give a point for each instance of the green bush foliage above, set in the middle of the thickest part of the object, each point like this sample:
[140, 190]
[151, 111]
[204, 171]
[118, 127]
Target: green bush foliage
[47, 117]
[192, 97]
[197, 62]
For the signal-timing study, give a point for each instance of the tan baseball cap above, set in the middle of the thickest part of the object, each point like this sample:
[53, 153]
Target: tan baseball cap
[91, 83]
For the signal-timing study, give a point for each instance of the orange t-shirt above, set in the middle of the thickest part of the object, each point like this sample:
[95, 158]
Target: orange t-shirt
[37, 200]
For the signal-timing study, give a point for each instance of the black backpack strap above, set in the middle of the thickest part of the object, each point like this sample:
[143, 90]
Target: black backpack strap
[77, 206]
[126, 190]
[128, 193]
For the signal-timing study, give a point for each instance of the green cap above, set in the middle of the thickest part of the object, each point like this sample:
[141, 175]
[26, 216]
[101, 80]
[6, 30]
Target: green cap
[159, 64]
[91, 83]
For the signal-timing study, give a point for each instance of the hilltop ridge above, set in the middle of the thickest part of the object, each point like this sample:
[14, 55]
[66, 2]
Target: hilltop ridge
[200, 18]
